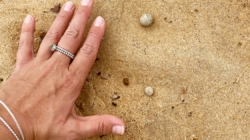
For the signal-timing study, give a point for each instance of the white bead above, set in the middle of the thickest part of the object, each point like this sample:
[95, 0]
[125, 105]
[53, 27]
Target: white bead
[146, 20]
[149, 91]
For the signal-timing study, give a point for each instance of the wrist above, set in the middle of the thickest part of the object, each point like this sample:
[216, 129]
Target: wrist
[5, 132]
[21, 121]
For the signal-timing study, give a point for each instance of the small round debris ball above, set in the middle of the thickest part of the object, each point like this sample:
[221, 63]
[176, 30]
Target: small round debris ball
[115, 96]
[146, 20]
[126, 81]
[149, 91]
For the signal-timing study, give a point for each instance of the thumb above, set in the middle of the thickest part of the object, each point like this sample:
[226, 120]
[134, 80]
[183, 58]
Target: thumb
[90, 126]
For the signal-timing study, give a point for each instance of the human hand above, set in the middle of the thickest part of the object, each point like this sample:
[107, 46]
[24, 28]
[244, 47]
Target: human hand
[42, 90]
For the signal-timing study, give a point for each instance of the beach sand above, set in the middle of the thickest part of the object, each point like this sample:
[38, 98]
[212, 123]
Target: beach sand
[195, 56]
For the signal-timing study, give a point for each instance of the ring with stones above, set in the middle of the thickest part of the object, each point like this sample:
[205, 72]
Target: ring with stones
[53, 47]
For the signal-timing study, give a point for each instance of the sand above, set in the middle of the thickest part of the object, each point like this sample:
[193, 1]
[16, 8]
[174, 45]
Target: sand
[195, 56]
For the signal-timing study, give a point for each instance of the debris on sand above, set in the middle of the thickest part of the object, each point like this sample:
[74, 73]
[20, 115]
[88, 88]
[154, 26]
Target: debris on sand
[149, 91]
[56, 8]
[146, 20]
[126, 81]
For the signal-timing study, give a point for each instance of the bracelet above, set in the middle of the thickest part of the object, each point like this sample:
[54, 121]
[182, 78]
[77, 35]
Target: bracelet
[13, 117]
[8, 126]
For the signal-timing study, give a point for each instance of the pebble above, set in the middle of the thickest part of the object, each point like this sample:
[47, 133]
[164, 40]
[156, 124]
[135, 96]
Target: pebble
[56, 8]
[115, 97]
[146, 20]
[126, 81]
[149, 91]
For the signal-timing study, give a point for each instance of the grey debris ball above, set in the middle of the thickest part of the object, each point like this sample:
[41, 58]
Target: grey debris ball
[146, 20]
[149, 91]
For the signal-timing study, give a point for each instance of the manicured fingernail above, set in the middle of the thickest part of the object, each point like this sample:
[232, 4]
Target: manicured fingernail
[28, 19]
[85, 2]
[98, 21]
[68, 6]
[118, 130]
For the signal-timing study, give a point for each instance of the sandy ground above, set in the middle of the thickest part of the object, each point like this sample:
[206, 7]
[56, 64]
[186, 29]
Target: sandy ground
[195, 56]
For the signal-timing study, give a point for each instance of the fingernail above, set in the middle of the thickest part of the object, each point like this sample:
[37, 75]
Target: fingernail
[85, 2]
[98, 21]
[118, 130]
[68, 6]
[27, 19]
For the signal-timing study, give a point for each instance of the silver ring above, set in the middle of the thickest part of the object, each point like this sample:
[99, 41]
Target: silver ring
[61, 50]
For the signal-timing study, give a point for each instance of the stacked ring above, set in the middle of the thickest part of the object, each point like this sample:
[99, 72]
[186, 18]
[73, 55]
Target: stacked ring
[53, 47]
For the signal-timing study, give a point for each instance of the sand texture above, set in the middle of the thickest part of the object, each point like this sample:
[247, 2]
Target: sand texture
[195, 56]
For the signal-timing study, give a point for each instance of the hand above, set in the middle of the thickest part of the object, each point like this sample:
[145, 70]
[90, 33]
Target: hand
[43, 89]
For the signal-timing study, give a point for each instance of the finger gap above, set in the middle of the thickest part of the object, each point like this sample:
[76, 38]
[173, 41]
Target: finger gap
[1, 80]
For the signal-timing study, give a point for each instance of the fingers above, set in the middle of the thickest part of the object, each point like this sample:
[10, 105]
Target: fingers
[56, 30]
[87, 54]
[26, 44]
[72, 37]
[86, 127]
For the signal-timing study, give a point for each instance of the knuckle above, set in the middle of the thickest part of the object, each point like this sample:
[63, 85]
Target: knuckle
[25, 59]
[101, 130]
[88, 49]
[26, 30]
[82, 13]
[62, 17]
[93, 34]
[25, 42]
[53, 35]
[49, 67]
[72, 32]
[69, 81]
[22, 42]
[20, 63]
